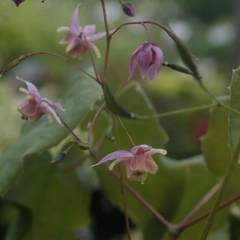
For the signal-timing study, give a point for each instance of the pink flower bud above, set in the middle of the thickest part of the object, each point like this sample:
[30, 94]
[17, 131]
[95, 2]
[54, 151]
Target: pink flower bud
[18, 2]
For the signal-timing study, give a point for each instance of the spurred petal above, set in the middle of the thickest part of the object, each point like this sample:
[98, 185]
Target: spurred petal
[144, 58]
[28, 108]
[73, 44]
[79, 50]
[40, 111]
[133, 62]
[74, 23]
[123, 160]
[143, 146]
[157, 60]
[153, 151]
[138, 163]
[89, 30]
[53, 112]
[141, 177]
[54, 104]
[95, 49]
[31, 89]
[151, 166]
[68, 37]
[115, 155]
[95, 37]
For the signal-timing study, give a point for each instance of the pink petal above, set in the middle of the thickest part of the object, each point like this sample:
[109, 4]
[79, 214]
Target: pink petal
[68, 37]
[138, 163]
[133, 62]
[144, 58]
[31, 89]
[157, 61]
[73, 43]
[95, 37]
[74, 23]
[143, 146]
[115, 155]
[120, 160]
[40, 112]
[28, 108]
[55, 104]
[54, 114]
[78, 51]
[89, 29]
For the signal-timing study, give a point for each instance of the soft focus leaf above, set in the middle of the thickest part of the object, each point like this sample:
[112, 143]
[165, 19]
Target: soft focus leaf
[215, 142]
[81, 93]
[56, 198]
[234, 119]
[21, 224]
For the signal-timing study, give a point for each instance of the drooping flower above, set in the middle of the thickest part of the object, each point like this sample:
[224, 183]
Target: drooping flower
[138, 162]
[18, 2]
[77, 43]
[149, 58]
[34, 107]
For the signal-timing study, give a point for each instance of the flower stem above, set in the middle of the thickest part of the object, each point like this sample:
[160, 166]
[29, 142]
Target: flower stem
[204, 215]
[205, 199]
[124, 128]
[108, 40]
[121, 182]
[148, 32]
[221, 192]
[216, 99]
[23, 57]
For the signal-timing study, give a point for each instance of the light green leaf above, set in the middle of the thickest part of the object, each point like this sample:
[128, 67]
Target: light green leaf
[215, 142]
[234, 119]
[81, 93]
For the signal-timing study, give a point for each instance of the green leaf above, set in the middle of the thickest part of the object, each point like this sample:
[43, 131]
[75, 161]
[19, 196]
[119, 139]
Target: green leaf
[57, 200]
[81, 93]
[234, 119]
[21, 224]
[215, 142]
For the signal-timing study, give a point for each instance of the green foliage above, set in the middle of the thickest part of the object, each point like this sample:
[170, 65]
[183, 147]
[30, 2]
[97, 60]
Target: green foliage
[77, 100]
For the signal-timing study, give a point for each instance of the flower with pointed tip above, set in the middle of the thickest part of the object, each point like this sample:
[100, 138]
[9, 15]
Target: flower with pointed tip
[138, 162]
[18, 2]
[34, 107]
[77, 43]
[149, 58]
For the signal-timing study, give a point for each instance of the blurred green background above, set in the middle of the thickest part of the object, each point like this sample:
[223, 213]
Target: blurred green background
[209, 28]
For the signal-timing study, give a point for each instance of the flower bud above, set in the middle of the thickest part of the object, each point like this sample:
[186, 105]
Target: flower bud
[128, 9]
[18, 2]
[59, 158]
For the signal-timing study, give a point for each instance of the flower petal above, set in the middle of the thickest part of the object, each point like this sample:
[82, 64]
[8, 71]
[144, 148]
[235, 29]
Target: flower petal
[153, 151]
[115, 155]
[138, 163]
[133, 62]
[53, 112]
[31, 89]
[143, 146]
[157, 60]
[73, 43]
[144, 58]
[40, 112]
[54, 104]
[74, 23]
[68, 37]
[28, 108]
[95, 37]
[95, 49]
[78, 51]
[151, 166]
[123, 160]
[89, 30]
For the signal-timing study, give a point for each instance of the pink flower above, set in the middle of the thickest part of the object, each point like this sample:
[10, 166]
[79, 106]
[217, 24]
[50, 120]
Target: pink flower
[34, 107]
[149, 58]
[77, 44]
[138, 162]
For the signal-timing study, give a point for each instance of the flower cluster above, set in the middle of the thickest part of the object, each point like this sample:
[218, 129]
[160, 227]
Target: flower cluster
[138, 162]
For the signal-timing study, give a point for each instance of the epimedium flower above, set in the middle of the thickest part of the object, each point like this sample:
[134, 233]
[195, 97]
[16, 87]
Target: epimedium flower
[149, 58]
[138, 162]
[77, 43]
[34, 106]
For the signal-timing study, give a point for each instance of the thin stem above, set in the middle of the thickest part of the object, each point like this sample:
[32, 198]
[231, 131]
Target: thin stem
[137, 23]
[121, 182]
[103, 107]
[216, 99]
[148, 32]
[92, 60]
[23, 57]
[158, 216]
[124, 128]
[171, 113]
[204, 215]
[221, 192]
[108, 40]
[205, 199]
